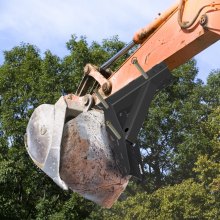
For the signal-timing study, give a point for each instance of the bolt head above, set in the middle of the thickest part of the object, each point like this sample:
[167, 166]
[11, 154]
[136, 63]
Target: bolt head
[43, 130]
[203, 20]
[106, 88]
[86, 69]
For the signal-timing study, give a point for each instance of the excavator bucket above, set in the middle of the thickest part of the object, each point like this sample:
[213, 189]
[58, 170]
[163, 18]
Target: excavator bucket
[87, 163]
[76, 155]
[90, 148]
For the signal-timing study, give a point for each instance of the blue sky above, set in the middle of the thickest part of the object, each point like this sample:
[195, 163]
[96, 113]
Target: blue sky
[48, 24]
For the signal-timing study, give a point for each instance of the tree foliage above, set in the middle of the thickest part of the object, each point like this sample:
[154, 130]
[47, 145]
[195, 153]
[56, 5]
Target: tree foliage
[182, 149]
[26, 81]
[179, 140]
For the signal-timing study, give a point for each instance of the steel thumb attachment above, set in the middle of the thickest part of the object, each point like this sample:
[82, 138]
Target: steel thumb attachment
[44, 136]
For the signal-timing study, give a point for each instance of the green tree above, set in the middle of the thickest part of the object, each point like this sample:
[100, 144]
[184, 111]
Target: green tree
[187, 200]
[26, 81]
[179, 140]
[82, 53]
[195, 193]
[169, 138]
[22, 78]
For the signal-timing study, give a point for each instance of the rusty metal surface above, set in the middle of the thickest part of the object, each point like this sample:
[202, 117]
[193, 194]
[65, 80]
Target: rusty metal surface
[87, 165]
[141, 35]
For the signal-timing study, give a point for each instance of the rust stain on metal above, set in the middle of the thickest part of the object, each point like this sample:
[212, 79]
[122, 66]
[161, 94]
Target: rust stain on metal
[87, 164]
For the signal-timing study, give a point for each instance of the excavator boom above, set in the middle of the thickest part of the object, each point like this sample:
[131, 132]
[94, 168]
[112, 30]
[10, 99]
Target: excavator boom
[86, 141]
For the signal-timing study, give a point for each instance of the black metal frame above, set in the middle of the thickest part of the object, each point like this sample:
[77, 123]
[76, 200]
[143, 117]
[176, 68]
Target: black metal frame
[125, 112]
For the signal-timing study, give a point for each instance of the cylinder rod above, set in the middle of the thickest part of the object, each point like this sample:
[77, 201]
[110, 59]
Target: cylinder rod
[123, 51]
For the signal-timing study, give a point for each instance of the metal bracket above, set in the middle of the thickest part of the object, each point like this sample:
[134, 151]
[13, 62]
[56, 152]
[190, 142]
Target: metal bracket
[91, 71]
[127, 110]
[116, 135]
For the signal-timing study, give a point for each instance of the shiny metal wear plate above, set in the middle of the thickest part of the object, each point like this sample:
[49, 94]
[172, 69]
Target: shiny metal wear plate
[44, 136]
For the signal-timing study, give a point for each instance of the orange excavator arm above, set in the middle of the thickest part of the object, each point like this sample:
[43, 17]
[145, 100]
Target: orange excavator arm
[86, 141]
[180, 33]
